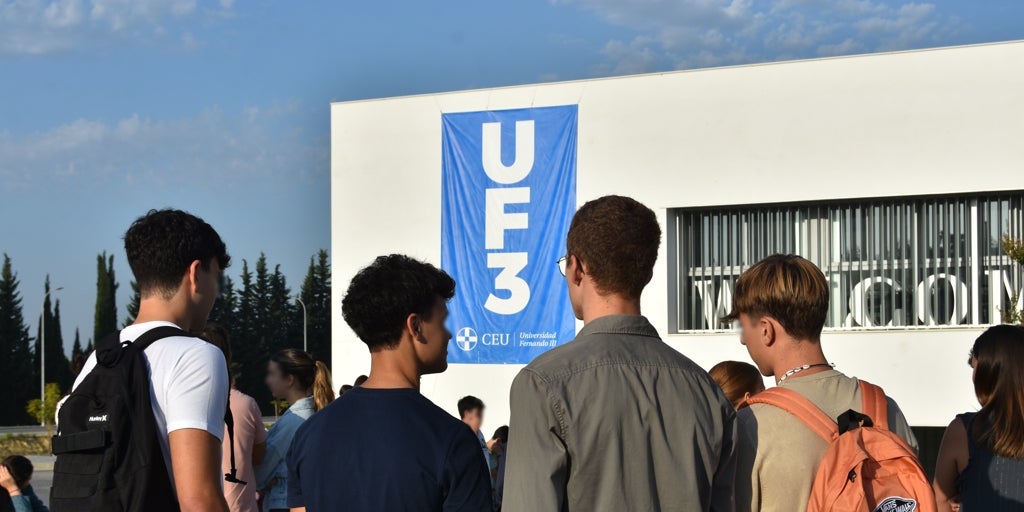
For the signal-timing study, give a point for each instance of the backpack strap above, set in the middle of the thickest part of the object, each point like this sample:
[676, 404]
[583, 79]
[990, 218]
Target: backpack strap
[799, 406]
[875, 404]
[156, 334]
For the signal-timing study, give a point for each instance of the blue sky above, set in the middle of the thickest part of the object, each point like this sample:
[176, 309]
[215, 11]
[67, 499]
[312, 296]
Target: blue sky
[111, 107]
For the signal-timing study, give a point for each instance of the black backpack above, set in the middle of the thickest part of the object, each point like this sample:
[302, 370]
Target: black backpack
[108, 452]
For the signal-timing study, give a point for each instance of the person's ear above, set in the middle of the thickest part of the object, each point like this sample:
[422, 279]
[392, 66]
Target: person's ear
[414, 326]
[766, 330]
[577, 270]
[193, 275]
[746, 396]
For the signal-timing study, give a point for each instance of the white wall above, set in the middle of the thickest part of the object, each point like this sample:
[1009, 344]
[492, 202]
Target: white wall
[912, 123]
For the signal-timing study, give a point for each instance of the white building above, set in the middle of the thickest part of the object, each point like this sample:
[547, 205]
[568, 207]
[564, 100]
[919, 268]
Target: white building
[896, 173]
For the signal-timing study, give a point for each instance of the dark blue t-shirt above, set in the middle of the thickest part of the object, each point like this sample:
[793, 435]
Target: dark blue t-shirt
[386, 450]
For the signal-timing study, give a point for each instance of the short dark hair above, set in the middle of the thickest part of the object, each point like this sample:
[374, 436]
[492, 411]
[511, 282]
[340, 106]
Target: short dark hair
[382, 296]
[618, 239]
[360, 380]
[501, 434]
[469, 403]
[163, 243]
[20, 469]
[786, 287]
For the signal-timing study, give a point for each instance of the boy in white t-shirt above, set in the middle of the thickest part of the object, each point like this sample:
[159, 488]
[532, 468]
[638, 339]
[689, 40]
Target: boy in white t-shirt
[177, 260]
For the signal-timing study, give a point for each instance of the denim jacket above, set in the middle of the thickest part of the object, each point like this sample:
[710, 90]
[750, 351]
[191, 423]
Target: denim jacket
[279, 439]
[28, 502]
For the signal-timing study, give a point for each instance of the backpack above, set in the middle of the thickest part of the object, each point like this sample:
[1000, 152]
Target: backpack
[107, 446]
[866, 467]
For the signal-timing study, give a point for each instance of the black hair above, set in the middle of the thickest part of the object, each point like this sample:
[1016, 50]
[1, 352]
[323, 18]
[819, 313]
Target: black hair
[20, 468]
[360, 380]
[469, 403]
[163, 243]
[382, 296]
[501, 434]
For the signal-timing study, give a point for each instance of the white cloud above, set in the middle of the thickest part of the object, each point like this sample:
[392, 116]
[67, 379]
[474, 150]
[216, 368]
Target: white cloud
[700, 33]
[47, 26]
[212, 148]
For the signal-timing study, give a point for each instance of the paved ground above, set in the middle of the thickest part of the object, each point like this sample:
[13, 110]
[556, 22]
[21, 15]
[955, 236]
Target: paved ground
[42, 478]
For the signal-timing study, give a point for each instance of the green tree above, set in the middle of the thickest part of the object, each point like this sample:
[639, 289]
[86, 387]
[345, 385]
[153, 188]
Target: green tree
[15, 354]
[44, 411]
[1015, 250]
[226, 306]
[105, 319]
[58, 368]
[133, 304]
[316, 294]
[282, 330]
[249, 350]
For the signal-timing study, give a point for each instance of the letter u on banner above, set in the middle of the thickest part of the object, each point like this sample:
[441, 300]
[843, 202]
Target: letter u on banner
[508, 196]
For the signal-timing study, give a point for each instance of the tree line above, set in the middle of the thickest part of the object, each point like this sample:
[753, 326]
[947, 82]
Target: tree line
[261, 313]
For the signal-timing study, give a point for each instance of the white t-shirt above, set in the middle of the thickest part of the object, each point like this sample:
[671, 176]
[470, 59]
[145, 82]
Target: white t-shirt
[188, 384]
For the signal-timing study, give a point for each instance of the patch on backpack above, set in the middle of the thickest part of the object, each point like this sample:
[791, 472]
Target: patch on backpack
[97, 420]
[896, 504]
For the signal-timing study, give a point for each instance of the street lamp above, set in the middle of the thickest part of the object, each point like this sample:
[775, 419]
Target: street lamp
[305, 347]
[42, 351]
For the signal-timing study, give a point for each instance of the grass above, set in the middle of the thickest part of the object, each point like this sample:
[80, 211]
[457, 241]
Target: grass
[24, 444]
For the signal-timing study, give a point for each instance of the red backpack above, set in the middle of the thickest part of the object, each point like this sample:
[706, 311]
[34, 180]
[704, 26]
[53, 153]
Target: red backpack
[866, 467]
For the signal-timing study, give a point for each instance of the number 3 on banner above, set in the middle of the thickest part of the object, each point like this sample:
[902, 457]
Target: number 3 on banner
[511, 264]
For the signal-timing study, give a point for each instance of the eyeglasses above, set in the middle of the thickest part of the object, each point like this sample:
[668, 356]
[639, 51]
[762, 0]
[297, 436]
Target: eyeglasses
[563, 262]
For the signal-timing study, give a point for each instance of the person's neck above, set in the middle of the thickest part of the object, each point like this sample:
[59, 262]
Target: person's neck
[294, 395]
[155, 309]
[802, 353]
[597, 306]
[388, 370]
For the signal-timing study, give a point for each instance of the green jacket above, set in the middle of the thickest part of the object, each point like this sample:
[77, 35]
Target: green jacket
[618, 420]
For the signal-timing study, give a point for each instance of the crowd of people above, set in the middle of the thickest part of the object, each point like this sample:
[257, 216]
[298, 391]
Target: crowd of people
[614, 420]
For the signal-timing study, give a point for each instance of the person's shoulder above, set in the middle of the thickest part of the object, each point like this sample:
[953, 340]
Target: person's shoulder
[555, 359]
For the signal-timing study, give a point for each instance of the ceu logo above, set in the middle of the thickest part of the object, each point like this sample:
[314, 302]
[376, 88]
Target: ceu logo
[466, 339]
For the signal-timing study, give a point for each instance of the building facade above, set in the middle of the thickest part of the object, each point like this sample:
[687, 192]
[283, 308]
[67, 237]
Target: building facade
[897, 174]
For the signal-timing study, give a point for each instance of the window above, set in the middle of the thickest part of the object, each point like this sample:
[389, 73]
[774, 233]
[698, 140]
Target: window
[891, 263]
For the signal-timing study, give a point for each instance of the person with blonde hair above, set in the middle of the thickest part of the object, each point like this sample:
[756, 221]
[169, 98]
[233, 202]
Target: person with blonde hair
[781, 303]
[305, 383]
[981, 459]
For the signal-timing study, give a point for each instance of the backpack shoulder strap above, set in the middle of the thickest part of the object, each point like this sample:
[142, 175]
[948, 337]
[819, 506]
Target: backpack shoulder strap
[158, 333]
[875, 404]
[799, 406]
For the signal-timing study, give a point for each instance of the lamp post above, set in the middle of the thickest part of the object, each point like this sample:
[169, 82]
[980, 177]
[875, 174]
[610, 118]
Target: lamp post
[305, 347]
[42, 351]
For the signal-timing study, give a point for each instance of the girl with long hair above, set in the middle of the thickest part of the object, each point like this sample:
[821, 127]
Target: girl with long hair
[981, 459]
[305, 383]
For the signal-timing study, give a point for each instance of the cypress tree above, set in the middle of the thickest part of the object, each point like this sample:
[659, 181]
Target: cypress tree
[133, 304]
[76, 349]
[15, 355]
[58, 369]
[105, 318]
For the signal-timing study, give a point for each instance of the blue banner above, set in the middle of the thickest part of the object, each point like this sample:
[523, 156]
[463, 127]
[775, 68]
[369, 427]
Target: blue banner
[508, 195]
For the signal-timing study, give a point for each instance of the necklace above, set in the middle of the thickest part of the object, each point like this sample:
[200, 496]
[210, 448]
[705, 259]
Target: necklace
[799, 369]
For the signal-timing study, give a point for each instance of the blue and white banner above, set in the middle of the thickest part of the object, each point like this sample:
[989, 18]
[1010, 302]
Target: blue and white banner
[508, 195]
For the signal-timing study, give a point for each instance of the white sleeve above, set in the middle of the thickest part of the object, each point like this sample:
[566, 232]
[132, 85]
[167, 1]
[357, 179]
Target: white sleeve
[197, 391]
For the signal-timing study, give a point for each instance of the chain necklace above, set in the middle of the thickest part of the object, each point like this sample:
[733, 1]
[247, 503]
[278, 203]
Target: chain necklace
[799, 369]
